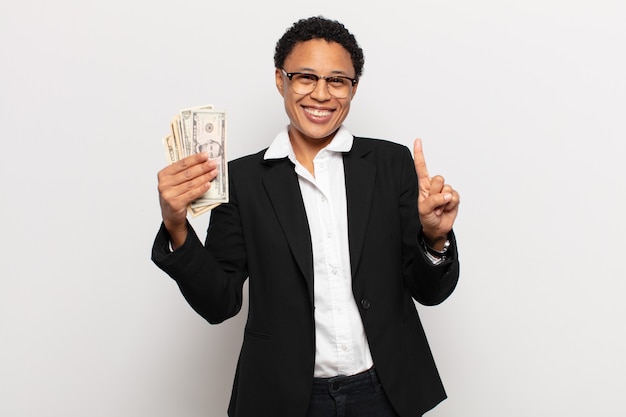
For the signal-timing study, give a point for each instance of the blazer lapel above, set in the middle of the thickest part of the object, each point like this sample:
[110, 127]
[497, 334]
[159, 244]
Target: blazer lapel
[281, 184]
[360, 175]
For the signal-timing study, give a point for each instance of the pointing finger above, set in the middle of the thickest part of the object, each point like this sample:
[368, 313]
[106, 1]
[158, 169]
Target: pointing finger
[420, 163]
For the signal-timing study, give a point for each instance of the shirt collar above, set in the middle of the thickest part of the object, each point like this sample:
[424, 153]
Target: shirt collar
[281, 146]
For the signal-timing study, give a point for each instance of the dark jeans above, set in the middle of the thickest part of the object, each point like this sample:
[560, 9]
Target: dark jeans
[359, 395]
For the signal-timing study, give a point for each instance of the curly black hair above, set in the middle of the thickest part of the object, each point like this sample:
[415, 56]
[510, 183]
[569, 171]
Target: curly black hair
[319, 27]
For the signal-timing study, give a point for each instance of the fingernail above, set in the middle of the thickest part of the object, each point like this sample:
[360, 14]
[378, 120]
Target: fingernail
[447, 197]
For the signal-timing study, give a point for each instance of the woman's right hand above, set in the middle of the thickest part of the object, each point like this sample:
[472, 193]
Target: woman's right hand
[179, 184]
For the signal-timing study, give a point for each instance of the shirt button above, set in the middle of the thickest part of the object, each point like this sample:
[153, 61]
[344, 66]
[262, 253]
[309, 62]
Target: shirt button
[365, 303]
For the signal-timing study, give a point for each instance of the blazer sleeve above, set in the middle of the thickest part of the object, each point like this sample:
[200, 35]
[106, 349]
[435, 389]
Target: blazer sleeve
[210, 277]
[432, 284]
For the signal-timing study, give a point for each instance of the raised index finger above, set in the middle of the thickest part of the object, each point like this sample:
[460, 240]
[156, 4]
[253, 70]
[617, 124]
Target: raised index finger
[418, 159]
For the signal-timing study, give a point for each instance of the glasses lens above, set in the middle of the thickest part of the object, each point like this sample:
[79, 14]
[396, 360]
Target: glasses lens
[304, 83]
[338, 86]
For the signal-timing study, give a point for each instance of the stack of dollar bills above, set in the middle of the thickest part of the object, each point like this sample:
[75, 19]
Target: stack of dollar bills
[195, 130]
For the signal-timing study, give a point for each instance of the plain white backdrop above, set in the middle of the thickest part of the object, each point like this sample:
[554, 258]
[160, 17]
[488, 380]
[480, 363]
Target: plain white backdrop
[521, 106]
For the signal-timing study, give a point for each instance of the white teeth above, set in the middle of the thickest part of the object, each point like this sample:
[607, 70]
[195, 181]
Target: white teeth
[318, 113]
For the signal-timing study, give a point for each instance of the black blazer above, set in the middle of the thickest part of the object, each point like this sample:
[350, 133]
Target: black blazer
[263, 234]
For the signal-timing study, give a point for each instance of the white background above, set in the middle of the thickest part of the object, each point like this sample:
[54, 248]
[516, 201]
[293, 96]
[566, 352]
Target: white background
[521, 105]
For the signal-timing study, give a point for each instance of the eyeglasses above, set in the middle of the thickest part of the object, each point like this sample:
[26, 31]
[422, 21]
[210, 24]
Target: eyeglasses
[304, 83]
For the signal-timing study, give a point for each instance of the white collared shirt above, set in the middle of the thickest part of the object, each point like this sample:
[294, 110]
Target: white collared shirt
[341, 344]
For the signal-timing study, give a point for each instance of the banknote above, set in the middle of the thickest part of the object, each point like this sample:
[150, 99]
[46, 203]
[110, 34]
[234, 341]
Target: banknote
[171, 149]
[184, 126]
[195, 130]
[208, 134]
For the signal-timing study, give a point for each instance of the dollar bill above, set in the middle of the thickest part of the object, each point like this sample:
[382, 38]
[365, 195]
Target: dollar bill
[208, 134]
[195, 130]
[171, 149]
[184, 125]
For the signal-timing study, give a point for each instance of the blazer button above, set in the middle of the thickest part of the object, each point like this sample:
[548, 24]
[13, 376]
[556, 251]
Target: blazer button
[365, 303]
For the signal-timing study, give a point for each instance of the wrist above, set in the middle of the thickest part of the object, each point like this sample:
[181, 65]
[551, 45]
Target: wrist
[437, 243]
[436, 255]
[177, 232]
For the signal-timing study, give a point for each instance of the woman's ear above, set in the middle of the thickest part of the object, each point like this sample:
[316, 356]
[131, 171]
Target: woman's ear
[280, 82]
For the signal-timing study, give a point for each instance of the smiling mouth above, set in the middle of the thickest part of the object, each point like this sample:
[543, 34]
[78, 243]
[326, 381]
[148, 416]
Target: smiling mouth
[317, 112]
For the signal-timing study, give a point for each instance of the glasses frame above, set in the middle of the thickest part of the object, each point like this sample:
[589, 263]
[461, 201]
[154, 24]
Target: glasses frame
[353, 81]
